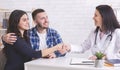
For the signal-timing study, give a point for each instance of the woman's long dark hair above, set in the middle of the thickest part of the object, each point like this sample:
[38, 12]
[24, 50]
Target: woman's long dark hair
[109, 20]
[14, 20]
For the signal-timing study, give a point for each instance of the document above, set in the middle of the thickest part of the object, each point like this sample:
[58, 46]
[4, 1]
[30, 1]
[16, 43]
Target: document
[113, 62]
[81, 61]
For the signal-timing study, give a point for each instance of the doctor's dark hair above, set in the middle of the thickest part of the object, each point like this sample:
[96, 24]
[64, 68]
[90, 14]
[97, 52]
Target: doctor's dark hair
[109, 20]
[35, 12]
[13, 21]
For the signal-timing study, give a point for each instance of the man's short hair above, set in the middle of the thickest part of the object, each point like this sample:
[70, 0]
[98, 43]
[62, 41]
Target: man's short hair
[35, 12]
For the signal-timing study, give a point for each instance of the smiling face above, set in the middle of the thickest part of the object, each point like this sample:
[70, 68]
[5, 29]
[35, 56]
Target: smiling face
[24, 23]
[97, 19]
[41, 20]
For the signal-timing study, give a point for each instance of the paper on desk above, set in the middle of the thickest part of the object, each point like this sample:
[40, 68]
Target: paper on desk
[81, 61]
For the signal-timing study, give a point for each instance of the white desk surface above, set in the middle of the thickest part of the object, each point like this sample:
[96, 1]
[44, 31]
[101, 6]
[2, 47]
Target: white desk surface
[61, 63]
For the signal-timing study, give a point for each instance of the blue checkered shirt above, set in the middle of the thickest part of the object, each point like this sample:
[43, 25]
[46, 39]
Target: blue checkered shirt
[52, 39]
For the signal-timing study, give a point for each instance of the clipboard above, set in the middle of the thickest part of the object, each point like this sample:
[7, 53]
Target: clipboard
[79, 61]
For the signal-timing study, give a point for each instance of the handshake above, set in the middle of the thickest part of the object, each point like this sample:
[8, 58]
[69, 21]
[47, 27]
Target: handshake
[10, 38]
[62, 49]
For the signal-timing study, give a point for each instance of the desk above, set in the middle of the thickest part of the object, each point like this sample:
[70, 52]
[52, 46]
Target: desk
[61, 63]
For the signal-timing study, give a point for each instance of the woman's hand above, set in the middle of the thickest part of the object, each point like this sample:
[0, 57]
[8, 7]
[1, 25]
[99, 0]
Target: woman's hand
[63, 48]
[52, 55]
[59, 46]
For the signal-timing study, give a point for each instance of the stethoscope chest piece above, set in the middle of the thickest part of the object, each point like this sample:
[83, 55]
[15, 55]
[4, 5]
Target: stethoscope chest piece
[106, 44]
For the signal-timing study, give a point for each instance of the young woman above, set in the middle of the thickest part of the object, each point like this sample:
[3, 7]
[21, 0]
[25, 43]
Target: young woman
[21, 51]
[106, 37]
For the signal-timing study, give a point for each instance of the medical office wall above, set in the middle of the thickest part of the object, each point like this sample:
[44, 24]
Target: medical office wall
[73, 19]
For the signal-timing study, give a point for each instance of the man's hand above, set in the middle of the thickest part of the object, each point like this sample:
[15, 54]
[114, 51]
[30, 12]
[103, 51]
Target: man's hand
[9, 38]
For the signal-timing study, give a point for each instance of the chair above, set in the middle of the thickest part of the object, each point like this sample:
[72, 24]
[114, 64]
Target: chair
[2, 59]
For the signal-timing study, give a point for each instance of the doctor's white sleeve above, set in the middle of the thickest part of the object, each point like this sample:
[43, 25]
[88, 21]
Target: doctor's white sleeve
[86, 45]
[117, 44]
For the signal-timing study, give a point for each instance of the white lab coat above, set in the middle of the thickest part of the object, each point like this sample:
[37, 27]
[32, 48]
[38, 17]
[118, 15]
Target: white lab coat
[111, 50]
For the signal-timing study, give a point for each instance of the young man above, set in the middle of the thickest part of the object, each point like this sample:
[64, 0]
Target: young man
[41, 36]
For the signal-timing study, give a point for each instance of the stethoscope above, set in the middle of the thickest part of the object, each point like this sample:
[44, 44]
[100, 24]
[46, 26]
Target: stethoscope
[108, 37]
[106, 43]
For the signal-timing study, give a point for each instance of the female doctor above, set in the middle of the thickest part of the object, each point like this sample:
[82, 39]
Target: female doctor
[106, 37]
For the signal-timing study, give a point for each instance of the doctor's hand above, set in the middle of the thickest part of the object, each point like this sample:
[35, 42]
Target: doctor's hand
[9, 38]
[94, 57]
[65, 48]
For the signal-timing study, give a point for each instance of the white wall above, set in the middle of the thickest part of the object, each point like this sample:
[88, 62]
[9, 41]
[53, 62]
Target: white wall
[72, 18]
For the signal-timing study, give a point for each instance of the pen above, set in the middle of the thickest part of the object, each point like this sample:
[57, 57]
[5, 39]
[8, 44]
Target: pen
[87, 61]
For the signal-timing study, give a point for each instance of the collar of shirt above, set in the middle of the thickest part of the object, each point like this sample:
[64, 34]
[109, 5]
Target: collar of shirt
[52, 38]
